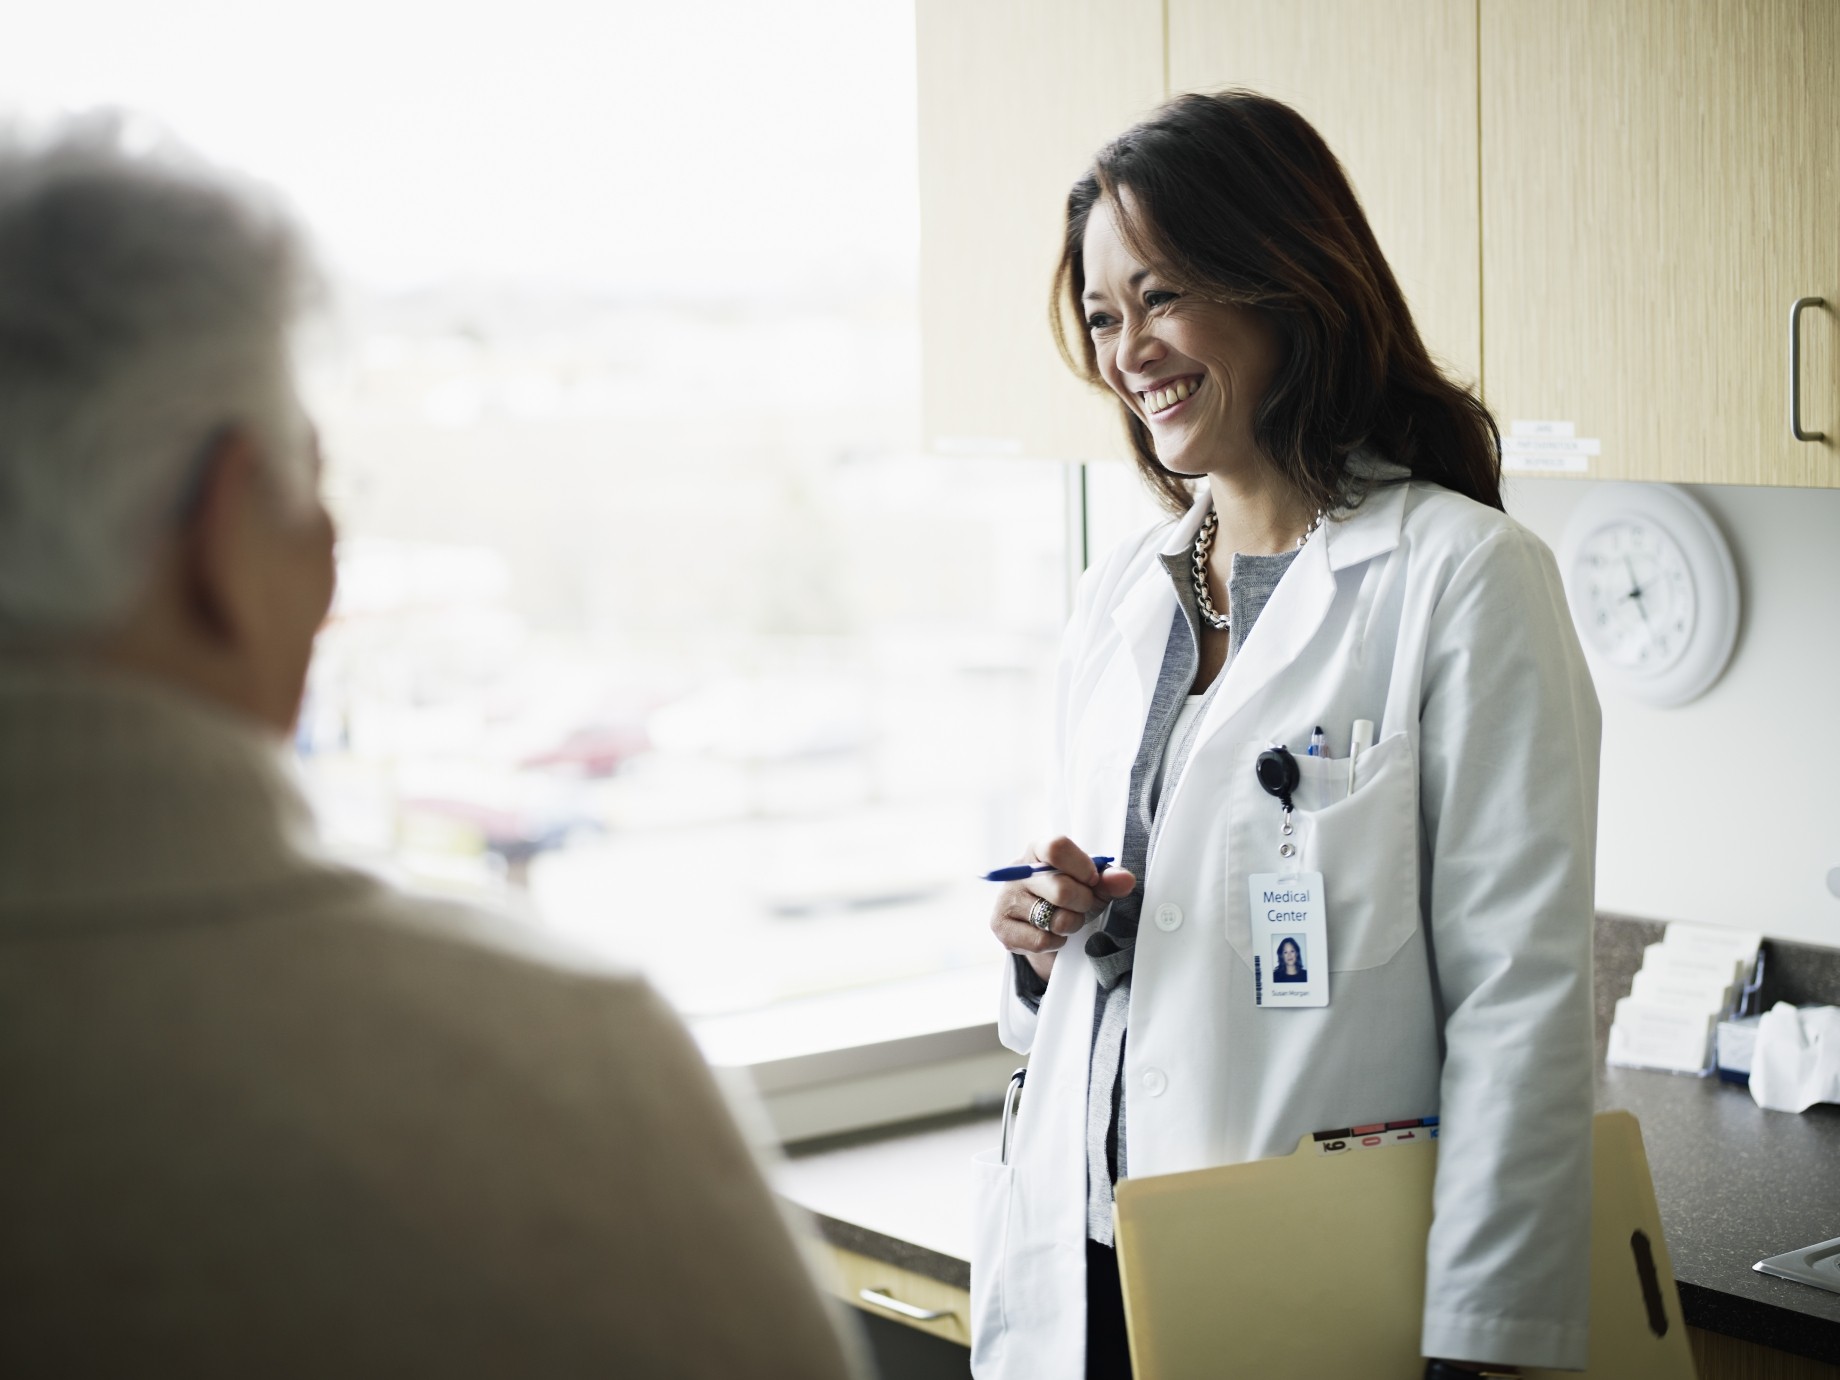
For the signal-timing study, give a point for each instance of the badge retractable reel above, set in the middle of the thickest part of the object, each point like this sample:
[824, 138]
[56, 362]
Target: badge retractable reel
[1279, 774]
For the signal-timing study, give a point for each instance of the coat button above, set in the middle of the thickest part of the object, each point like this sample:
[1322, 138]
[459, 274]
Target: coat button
[1156, 1082]
[1169, 916]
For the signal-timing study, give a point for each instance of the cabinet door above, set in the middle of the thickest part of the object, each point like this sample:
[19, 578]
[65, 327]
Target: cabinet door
[1391, 85]
[1015, 98]
[1661, 179]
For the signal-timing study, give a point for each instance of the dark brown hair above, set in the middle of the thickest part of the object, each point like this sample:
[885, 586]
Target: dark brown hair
[1235, 197]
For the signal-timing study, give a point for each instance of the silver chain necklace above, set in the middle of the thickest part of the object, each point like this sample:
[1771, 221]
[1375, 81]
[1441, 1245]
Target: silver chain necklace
[1204, 543]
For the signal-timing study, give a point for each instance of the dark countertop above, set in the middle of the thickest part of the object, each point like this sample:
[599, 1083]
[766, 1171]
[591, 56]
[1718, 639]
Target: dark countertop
[902, 1195]
[1735, 1183]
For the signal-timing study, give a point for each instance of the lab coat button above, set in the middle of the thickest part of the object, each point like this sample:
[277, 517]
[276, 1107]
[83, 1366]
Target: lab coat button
[1169, 916]
[1155, 1082]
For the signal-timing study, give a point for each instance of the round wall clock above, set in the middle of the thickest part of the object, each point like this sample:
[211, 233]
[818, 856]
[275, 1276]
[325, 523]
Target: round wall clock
[1653, 591]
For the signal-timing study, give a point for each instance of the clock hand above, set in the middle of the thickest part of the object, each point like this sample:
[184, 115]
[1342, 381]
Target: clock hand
[1635, 589]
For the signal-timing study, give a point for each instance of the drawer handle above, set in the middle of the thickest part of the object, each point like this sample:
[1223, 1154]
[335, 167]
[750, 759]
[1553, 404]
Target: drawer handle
[1795, 369]
[906, 1310]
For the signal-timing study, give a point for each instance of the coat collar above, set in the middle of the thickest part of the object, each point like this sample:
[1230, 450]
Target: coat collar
[1299, 604]
[1373, 528]
[115, 788]
[1357, 535]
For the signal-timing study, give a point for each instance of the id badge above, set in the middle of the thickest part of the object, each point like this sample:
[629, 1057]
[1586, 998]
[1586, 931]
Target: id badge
[1290, 940]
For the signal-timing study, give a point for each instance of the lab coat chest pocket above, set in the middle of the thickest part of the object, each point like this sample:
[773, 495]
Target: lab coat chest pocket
[1364, 842]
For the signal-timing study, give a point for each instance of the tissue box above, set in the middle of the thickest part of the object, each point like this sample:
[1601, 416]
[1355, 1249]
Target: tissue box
[1734, 1043]
[1797, 1060]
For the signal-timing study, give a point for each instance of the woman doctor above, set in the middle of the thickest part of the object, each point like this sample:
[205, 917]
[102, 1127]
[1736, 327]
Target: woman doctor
[1342, 561]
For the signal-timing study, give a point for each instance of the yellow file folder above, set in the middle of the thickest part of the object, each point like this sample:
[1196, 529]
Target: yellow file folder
[1200, 1301]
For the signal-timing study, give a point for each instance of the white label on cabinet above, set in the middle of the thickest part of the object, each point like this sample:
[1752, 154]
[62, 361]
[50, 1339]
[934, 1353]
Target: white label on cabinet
[1541, 429]
[1525, 463]
[1553, 454]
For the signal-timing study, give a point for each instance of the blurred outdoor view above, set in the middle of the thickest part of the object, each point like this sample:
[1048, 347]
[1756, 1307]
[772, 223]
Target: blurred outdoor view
[652, 618]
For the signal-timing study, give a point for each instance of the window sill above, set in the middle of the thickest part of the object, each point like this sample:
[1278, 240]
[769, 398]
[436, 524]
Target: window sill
[871, 1057]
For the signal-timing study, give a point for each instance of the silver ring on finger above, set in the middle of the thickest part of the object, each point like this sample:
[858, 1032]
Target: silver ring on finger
[1041, 915]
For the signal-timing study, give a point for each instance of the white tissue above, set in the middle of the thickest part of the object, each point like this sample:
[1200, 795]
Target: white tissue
[1797, 1059]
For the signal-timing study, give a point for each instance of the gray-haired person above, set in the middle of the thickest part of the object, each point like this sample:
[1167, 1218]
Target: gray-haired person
[259, 1114]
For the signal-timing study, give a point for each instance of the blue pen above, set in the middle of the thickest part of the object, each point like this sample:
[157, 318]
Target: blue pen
[1018, 871]
[1317, 743]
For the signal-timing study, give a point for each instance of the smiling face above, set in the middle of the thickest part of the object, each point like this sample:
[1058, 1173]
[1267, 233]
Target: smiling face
[1192, 370]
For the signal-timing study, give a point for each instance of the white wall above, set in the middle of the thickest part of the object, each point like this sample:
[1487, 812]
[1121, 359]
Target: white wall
[1727, 810]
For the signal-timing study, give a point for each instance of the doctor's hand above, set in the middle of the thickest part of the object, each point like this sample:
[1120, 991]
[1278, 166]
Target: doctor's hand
[1076, 891]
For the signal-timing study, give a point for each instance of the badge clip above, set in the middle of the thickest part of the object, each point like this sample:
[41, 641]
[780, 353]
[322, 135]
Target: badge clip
[1279, 775]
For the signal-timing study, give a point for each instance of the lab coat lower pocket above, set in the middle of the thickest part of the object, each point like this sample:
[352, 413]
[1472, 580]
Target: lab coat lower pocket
[1363, 840]
[995, 1185]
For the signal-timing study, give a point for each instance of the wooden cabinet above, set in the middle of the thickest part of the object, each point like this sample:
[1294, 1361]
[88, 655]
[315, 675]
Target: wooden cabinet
[1660, 180]
[1015, 98]
[1391, 85]
[1602, 209]
[1718, 1357]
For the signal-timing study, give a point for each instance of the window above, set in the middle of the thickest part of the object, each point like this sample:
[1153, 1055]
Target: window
[652, 619]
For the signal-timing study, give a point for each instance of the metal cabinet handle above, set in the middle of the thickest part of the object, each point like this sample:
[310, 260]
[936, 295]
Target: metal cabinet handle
[906, 1310]
[1795, 369]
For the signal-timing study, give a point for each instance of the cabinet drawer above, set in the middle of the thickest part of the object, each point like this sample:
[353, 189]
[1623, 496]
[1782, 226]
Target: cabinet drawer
[854, 1278]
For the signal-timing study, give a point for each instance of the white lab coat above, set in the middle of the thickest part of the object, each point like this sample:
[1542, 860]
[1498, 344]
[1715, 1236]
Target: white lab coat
[1458, 877]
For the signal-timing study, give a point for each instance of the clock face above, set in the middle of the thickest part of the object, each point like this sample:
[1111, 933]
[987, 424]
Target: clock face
[1638, 598]
[1653, 591]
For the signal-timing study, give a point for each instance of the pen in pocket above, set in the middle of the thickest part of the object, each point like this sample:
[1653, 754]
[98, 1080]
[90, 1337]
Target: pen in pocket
[1360, 739]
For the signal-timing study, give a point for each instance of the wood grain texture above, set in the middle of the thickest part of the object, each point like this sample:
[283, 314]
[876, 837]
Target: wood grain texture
[1660, 180]
[1391, 85]
[845, 1274]
[1015, 98]
[1718, 1357]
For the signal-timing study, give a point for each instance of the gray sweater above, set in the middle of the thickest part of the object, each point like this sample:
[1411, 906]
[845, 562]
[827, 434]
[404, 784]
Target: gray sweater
[1110, 948]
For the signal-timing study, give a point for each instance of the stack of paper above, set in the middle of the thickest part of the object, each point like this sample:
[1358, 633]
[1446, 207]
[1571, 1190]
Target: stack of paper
[1687, 982]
